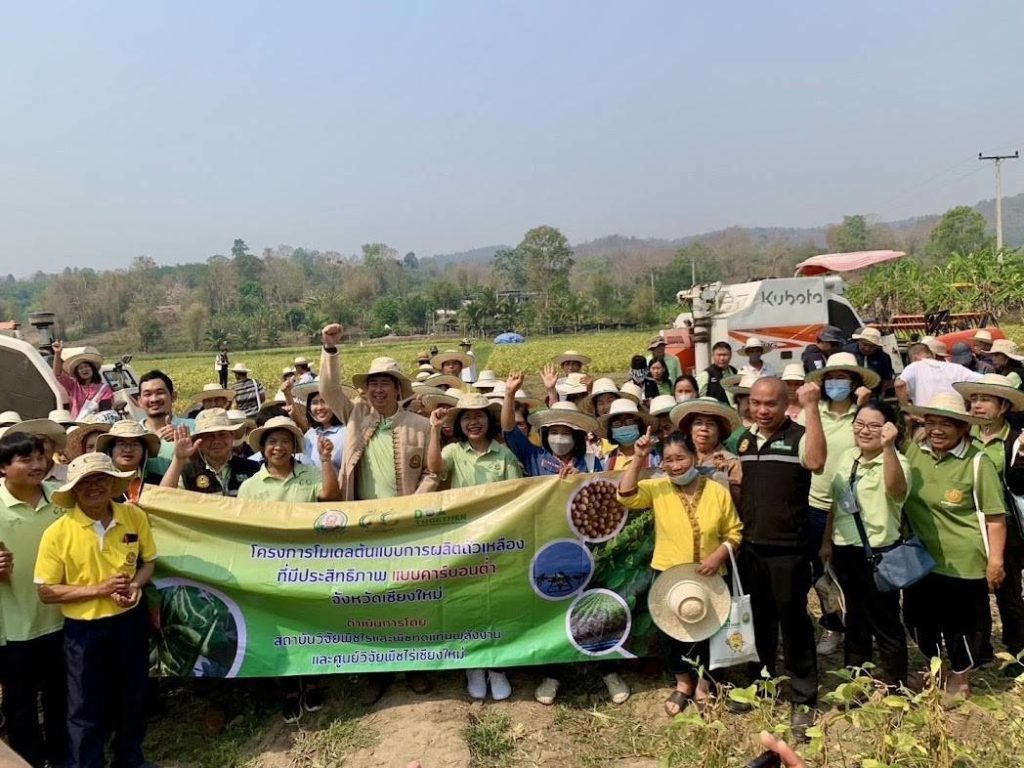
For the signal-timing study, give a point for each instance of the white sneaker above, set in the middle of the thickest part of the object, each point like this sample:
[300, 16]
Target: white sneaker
[500, 687]
[829, 642]
[476, 683]
[617, 688]
[547, 691]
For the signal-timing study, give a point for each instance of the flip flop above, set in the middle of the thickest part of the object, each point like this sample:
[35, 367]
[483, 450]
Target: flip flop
[678, 698]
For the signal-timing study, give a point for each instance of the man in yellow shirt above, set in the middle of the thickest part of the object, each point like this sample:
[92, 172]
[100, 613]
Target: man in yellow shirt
[94, 562]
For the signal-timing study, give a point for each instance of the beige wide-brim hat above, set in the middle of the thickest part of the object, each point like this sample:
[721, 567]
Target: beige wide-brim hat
[844, 361]
[946, 405]
[240, 368]
[211, 391]
[41, 428]
[433, 400]
[564, 415]
[286, 372]
[683, 413]
[752, 342]
[999, 346]
[662, 405]
[301, 361]
[86, 355]
[994, 385]
[938, 348]
[129, 430]
[604, 386]
[63, 417]
[982, 335]
[385, 366]
[77, 435]
[623, 407]
[90, 464]
[631, 391]
[531, 403]
[793, 372]
[571, 355]
[7, 418]
[870, 334]
[472, 401]
[272, 425]
[236, 416]
[439, 380]
[687, 606]
[573, 384]
[448, 355]
[486, 380]
[214, 420]
[739, 384]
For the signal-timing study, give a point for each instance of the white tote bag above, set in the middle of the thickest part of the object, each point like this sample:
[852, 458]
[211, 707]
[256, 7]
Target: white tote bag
[734, 642]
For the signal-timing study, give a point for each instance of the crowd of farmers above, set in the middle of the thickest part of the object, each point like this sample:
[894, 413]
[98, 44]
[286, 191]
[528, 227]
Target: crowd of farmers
[897, 499]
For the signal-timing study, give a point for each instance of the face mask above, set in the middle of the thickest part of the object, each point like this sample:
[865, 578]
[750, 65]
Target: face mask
[638, 375]
[684, 398]
[686, 478]
[838, 389]
[561, 444]
[626, 435]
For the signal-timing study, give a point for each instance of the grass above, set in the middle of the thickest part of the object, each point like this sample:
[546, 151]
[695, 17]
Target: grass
[491, 738]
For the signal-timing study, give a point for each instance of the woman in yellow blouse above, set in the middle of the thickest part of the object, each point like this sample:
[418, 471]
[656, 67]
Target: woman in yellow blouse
[695, 521]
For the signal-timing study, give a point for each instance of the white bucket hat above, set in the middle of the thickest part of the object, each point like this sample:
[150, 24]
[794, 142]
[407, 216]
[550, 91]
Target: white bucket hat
[487, 380]
[90, 464]
[687, 606]
[631, 391]
[624, 407]
[662, 405]
[63, 417]
[793, 372]
[604, 386]
[870, 334]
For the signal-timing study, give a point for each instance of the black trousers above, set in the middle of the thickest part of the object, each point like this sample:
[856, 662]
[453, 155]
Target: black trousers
[1009, 596]
[778, 580]
[107, 665]
[33, 670]
[943, 610]
[872, 617]
[683, 658]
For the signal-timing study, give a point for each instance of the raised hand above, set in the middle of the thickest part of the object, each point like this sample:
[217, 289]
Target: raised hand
[809, 394]
[168, 430]
[549, 376]
[566, 470]
[643, 447]
[325, 448]
[331, 334]
[437, 418]
[58, 347]
[889, 434]
[184, 447]
[861, 395]
[514, 381]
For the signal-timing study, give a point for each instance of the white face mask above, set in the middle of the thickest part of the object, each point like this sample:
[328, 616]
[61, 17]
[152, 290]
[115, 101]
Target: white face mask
[561, 444]
[685, 398]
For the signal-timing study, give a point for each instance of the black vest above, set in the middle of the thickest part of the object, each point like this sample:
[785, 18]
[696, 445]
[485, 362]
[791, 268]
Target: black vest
[773, 497]
[715, 376]
[198, 477]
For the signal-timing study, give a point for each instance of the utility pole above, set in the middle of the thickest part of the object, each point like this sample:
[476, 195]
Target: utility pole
[997, 161]
[651, 270]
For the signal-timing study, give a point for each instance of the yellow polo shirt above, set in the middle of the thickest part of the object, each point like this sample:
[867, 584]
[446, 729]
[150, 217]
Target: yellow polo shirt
[77, 551]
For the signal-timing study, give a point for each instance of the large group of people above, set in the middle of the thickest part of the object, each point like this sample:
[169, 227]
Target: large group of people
[803, 478]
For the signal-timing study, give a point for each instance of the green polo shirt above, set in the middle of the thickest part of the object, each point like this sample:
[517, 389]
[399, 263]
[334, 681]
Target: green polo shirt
[941, 508]
[22, 616]
[302, 485]
[376, 477]
[466, 467]
[995, 448]
[838, 431]
[882, 514]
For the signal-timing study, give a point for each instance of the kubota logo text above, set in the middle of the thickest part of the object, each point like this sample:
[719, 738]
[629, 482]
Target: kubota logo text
[791, 299]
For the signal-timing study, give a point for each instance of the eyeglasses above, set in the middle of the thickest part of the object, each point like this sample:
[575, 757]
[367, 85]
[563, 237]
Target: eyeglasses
[860, 426]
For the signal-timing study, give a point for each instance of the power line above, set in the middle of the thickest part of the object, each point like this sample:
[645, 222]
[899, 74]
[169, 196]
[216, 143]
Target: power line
[997, 161]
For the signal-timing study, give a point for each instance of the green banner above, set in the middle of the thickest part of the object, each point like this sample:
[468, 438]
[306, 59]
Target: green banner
[521, 572]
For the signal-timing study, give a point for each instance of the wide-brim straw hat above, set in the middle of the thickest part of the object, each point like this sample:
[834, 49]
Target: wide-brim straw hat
[752, 342]
[214, 420]
[687, 606]
[994, 385]
[844, 361]
[85, 355]
[439, 380]
[870, 334]
[573, 384]
[631, 391]
[304, 361]
[571, 355]
[486, 380]
[982, 335]
[946, 405]
[564, 415]
[793, 372]
[448, 355]
[999, 346]
[63, 417]
[740, 384]
[272, 425]
[434, 399]
[301, 392]
[706, 406]
[240, 368]
[41, 428]
[7, 418]
[624, 407]
[662, 405]
[471, 401]
[531, 403]
[385, 366]
[126, 429]
[236, 416]
[211, 391]
[90, 464]
[74, 447]
[604, 386]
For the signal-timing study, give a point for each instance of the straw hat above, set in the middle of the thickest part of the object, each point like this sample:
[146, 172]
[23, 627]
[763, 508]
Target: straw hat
[435, 399]
[531, 403]
[948, 406]
[301, 392]
[571, 355]
[442, 380]
[662, 405]
[77, 435]
[386, 366]
[999, 346]
[995, 385]
[687, 606]
[604, 386]
[287, 371]
[631, 391]
[870, 334]
[236, 416]
[422, 377]
[303, 361]
[86, 355]
[426, 368]
[707, 406]
[471, 401]
[41, 428]
[487, 380]
[90, 464]
[982, 335]
[937, 347]
[565, 415]
[752, 342]
[740, 384]
[449, 355]
[240, 368]
[126, 429]
[214, 420]
[572, 385]
[212, 391]
[7, 418]
[657, 341]
[844, 361]
[624, 407]
[63, 417]
[275, 423]
[793, 372]
[423, 356]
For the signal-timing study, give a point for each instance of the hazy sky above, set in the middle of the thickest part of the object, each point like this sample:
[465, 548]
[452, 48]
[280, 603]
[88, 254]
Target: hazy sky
[169, 129]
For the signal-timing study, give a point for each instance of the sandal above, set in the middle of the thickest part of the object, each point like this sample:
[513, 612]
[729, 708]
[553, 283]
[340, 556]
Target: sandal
[678, 699]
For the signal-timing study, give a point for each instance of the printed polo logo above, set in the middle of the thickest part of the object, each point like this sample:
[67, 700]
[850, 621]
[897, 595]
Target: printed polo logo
[129, 558]
[744, 445]
[331, 520]
[415, 461]
[202, 482]
[954, 496]
[779, 444]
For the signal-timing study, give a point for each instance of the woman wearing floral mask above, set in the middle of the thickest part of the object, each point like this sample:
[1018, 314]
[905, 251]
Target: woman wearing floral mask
[622, 427]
